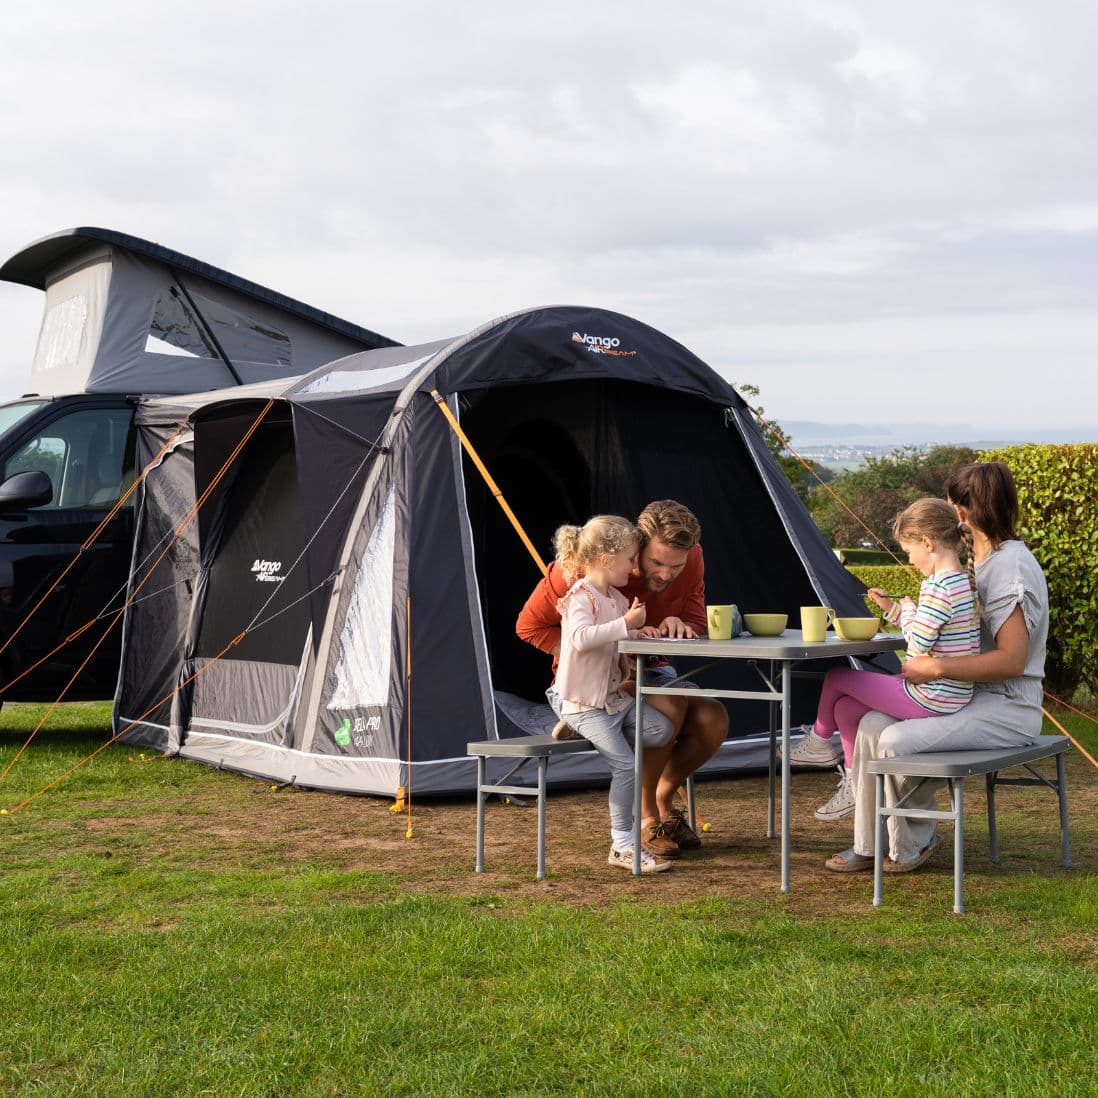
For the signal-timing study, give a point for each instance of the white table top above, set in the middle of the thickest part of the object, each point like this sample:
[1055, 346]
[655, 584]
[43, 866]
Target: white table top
[789, 645]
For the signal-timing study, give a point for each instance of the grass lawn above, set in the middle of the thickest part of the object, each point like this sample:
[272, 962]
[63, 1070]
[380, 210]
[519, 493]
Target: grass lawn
[173, 930]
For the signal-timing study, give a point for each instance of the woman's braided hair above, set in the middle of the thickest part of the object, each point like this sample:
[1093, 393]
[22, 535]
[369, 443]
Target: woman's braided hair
[985, 489]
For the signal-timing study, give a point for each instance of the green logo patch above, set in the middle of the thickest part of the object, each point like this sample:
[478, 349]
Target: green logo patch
[343, 733]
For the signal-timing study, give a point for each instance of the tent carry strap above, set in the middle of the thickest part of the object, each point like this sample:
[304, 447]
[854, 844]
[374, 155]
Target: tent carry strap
[492, 486]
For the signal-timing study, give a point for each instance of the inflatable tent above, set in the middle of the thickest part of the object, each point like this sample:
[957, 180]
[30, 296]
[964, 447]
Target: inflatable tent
[341, 613]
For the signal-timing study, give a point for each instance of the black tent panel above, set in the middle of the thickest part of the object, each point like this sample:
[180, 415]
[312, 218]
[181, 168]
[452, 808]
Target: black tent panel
[257, 577]
[575, 343]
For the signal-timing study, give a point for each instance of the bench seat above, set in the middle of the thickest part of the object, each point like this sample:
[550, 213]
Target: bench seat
[525, 748]
[954, 767]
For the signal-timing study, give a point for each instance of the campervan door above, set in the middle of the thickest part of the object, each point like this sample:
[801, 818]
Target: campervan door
[64, 462]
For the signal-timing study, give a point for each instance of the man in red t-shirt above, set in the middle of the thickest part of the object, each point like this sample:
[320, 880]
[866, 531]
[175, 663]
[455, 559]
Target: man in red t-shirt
[670, 580]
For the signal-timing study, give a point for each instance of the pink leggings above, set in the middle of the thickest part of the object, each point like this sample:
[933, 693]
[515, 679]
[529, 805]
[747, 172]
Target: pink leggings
[848, 695]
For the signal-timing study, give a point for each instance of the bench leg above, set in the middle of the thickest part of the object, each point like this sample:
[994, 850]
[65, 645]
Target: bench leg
[1062, 794]
[480, 812]
[881, 844]
[957, 794]
[691, 803]
[543, 766]
[992, 825]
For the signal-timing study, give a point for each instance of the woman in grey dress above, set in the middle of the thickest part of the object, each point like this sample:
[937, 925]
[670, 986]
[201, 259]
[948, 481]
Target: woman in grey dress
[1005, 710]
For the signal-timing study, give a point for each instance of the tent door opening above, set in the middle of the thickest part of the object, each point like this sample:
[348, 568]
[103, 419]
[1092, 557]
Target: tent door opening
[562, 452]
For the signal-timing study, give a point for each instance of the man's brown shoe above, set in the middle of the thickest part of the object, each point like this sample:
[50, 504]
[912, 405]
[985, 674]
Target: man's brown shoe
[656, 839]
[683, 834]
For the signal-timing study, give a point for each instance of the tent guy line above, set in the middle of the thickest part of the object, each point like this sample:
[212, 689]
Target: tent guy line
[120, 613]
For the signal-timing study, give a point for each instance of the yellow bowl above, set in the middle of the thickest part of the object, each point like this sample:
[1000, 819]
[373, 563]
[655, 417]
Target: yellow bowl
[765, 625]
[856, 629]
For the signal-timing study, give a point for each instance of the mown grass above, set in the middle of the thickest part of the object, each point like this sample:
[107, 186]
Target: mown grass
[128, 973]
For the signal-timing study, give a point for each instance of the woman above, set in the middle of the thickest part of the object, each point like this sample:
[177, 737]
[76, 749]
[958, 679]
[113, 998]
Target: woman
[1005, 710]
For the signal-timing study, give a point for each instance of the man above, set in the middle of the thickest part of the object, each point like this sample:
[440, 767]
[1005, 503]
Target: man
[670, 580]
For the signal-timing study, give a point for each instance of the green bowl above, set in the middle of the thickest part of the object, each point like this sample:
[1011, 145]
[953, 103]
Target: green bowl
[765, 625]
[856, 629]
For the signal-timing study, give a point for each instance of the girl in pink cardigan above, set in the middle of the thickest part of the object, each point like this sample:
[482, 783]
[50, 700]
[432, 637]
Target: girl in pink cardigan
[587, 690]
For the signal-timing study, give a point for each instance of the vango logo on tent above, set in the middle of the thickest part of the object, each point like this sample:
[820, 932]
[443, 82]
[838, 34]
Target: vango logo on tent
[601, 345]
[266, 571]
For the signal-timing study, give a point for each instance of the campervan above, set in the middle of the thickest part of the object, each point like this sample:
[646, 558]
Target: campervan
[123, 318]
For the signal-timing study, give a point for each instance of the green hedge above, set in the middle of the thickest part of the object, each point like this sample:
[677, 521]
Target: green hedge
[893, 578]
[1058, 498]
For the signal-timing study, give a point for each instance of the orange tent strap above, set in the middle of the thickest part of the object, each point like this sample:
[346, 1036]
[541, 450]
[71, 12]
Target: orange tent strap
[492, 486]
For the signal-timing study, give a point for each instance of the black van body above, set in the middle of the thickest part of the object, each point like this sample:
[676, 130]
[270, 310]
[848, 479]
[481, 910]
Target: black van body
[124, 318]
[83, 444]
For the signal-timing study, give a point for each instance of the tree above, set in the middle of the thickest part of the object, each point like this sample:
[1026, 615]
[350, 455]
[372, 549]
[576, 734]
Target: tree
[802, 479]
[875, 493]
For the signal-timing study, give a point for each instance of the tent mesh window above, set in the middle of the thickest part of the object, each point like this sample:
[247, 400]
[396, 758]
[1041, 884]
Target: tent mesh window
[365, 647]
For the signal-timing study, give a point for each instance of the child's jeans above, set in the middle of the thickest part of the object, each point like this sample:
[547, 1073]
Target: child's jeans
[610, 734]
[849, 694]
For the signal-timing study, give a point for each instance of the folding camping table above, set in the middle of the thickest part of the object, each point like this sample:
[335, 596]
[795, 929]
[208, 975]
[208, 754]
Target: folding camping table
[774, 659]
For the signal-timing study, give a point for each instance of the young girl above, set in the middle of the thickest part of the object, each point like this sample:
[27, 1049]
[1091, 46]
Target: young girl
[585, 693]
[1006, 674]
[944, 623]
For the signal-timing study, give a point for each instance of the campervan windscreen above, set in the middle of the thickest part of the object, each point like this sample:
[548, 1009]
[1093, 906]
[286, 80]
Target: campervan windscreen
[13, 414]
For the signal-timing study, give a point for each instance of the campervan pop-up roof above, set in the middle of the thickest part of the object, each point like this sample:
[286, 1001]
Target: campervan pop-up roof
[124, 315]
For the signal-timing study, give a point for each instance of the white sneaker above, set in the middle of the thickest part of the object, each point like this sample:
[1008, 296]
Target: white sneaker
[842, 803]
[562, 730]
[812, 750]
[649, 862]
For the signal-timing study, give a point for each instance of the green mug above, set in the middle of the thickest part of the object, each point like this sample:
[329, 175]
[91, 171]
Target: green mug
[814, 623]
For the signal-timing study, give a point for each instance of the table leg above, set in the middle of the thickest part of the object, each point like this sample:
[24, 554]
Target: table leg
[787, 698]
[638, 764]
[771, 800]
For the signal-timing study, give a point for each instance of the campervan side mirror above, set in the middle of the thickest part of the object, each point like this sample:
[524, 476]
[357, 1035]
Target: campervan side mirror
[25, 490]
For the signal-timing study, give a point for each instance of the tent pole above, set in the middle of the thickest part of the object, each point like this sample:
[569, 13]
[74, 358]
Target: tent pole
[492, 486]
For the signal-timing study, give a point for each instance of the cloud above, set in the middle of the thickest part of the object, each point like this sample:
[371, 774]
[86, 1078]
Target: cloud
[744, 169]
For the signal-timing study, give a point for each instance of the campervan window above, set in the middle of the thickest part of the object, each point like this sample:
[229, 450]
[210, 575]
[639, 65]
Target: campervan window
[176, 330]
[82, 454]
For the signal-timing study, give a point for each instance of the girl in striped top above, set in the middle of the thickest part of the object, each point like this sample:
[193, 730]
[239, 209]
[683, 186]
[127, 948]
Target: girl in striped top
[945, 622]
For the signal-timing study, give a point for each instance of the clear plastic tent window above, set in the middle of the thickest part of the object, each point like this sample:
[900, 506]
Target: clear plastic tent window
[73, 320]
[62, 333]
[365, 645]
[346, 381]
[176, 330]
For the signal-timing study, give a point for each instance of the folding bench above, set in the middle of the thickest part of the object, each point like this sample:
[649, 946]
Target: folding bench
[525, 748]
[953, 767]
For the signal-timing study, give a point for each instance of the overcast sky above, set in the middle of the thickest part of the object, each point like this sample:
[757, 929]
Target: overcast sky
[873, 211]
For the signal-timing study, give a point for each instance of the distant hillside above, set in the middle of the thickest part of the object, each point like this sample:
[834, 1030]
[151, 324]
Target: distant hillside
[805, 433]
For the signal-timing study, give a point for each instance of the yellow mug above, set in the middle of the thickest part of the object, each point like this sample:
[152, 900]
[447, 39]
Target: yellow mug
[814, 623]
[719, 619]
